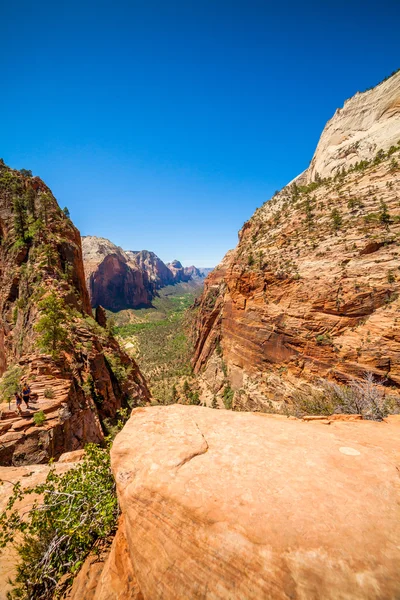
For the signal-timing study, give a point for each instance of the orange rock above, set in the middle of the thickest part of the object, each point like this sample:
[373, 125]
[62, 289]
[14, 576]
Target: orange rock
[224, 505]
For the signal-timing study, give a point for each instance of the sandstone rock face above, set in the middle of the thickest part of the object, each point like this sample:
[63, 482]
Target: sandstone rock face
[225, 505]
[109, 576]
[178, 271]
[119, 279]
[91, 377]
[113, 278]
[158, 274]
[367, 123]
[312, 289]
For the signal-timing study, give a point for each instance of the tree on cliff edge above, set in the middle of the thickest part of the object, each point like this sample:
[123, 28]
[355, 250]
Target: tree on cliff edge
[51, 325]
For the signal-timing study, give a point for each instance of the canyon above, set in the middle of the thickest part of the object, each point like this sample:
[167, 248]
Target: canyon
[118, 279]
[312, 289]
[252, 502]
[77, 389]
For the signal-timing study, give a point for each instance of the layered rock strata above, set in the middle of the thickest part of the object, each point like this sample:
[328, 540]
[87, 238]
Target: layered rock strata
[231, 505]
[90, 377]
[312, 289]
[119, 279]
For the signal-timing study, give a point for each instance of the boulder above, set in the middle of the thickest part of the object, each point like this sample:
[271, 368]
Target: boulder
[224, 505]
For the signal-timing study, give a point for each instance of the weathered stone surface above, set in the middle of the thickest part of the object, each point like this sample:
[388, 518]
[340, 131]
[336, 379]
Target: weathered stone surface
[108, 577]
[119, 279]
[367, 123]
[304, 296]
[79, 388]
[237, 505]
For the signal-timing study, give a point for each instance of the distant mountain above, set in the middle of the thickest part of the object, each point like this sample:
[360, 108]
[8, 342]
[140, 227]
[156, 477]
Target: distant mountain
[118, 279]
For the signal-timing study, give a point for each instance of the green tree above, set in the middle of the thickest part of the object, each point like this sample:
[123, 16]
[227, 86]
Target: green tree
[384, 216]
[336, 219]
[10, 382]
[45, 205]
[66, 212]
[186, 388]
[20, 217]
[30, 201]
[26, 172]
[309, 214]
[52, 324]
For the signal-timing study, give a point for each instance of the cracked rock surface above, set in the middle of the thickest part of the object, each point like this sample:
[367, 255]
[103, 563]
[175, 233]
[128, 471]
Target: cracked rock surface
[223, 505]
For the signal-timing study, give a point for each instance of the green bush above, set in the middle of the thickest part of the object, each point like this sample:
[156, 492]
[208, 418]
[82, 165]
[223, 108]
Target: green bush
[10, 382]
[48, 392]
[54, 537]
[227, 397]
[39, 418]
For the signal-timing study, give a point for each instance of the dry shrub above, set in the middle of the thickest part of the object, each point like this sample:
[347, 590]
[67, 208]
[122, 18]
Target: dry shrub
[361, 396]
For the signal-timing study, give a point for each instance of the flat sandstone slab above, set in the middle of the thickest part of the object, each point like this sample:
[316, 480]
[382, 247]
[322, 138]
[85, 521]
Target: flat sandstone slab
[230, 505]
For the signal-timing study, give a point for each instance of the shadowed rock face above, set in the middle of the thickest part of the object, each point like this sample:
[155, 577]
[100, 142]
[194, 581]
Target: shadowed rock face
[82, 386]
[224, 505]
[119, 279]
[313, 287]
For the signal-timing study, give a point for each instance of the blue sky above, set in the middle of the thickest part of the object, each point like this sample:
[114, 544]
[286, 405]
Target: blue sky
[164, 124]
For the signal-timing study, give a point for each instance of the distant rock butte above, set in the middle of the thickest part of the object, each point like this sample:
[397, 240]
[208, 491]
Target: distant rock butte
[118, 279]
[224, 505]
[313, 287]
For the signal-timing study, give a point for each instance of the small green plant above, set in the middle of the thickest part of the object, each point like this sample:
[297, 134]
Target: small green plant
[391, 277]
[48, 393]
[324, 339]
[250, 260]
[39, 418]
[384, 216]
[227, 397]
[75, 510]
[337, 220]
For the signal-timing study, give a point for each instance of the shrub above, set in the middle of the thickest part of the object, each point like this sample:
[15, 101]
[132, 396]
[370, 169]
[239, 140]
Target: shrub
[120, 371]
[39, 418]
[336, 219]
[48, 392]
[53, 538]
[384, 216]
[363, 397]
[227, 397]
[26, 172]
[324, 339]
[10, 382]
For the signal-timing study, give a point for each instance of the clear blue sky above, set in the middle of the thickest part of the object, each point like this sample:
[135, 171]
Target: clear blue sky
[164, 124]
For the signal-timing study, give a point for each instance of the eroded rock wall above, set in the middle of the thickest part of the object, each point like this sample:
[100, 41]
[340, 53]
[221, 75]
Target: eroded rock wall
[222, 505]
[90, 377]
[312, 289]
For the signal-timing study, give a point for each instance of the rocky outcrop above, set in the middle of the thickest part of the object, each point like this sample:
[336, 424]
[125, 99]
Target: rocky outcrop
[113, 278]
[119, 279]
[178, 271]
[196, 273]
[368, 122]
[217, 505]
[312, 289]
[81, 386]
[157, 273]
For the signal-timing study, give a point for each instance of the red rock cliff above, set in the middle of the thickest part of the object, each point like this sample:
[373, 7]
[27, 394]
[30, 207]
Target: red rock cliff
[312, 289]
[90, 378]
